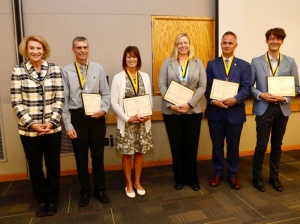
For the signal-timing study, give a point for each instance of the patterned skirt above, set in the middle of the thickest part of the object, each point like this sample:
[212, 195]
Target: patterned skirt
[135, 139]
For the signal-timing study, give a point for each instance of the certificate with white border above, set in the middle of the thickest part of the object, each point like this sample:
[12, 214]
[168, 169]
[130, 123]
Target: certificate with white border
[91, 103]
[223, 89]
[139, 105]
[178, 94]
[281, 85]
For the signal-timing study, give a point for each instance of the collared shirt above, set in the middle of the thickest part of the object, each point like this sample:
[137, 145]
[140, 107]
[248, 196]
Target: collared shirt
[229, 59]
[274, 63]
[95, 83]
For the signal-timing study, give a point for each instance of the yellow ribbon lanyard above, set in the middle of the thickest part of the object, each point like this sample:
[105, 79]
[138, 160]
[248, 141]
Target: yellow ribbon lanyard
[134, 83]
[184, 69]
[227, 69]
[81, 80]
[269, 62]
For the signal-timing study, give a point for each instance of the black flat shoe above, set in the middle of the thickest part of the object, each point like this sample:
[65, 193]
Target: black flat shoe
[84, 200]
[195, 187]
[41, 210]
[101, 197]
[178, 186]
[52, 209]
[258, 184]
[276, 184]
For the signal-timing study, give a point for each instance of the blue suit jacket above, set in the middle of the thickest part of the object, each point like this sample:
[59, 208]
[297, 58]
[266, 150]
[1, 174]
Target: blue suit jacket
[240, 72]
[259, 72]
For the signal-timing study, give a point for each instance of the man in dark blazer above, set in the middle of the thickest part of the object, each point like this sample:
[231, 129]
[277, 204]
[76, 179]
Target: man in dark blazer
[272, 111]
[226, 116]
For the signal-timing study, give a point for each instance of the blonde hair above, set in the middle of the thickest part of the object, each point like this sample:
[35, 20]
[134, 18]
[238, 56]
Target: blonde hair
[174, 53]
[40, 39]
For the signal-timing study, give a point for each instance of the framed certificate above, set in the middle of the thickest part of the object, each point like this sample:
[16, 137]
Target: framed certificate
[178, 94]
[91, 102]
[139, 105]
[223, 89]
[281, 85]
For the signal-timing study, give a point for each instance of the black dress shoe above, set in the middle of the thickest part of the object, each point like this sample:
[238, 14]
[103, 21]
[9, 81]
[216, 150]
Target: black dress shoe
[195, 187]
[276, 184]
[52, 209]
[41, 210]
[178, 186]
[101, 197]
[258, 184]
[84, 200]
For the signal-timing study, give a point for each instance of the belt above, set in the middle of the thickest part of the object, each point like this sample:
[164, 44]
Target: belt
[79, 110]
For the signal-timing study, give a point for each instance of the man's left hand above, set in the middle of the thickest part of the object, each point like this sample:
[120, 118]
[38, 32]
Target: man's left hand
[230, 102]
[98, 114]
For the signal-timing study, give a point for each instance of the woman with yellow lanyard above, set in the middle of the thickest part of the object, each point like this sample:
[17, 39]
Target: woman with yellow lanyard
[183, 121]
[133, 133]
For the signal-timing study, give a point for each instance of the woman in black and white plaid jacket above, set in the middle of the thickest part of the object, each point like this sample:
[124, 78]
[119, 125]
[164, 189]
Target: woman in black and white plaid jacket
[37, 98]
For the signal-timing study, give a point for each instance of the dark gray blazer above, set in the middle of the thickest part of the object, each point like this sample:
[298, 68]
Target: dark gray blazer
[259, 71]
[196, 81]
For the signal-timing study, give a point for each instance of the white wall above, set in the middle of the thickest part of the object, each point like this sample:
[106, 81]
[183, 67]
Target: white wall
[251, 19]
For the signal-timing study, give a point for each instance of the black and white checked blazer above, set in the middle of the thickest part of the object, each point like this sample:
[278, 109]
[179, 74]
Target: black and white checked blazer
[37, 98]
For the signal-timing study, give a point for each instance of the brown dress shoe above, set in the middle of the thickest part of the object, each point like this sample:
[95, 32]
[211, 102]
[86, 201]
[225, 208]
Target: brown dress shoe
[234, 183]
[215, 181]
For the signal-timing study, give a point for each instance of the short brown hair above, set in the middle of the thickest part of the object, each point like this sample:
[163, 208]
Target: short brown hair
[132, 50]
[277, 32]
[79, 39]
[40, 39]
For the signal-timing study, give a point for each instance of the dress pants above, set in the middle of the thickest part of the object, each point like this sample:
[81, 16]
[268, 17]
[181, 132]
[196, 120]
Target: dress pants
[184, 133]
[45, 189]
[219, 130]
[274, 122]
[90, 134]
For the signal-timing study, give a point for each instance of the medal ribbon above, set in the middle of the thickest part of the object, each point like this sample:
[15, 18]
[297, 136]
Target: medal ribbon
[227, 69]
[269, 62]
[135, 84]
[184, 69]
[81, 81]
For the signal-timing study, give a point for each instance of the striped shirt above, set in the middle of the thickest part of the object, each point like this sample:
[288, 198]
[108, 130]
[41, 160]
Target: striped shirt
[37, 97]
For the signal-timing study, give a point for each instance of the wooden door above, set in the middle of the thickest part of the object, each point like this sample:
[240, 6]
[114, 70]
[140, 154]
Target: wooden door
[166, 28]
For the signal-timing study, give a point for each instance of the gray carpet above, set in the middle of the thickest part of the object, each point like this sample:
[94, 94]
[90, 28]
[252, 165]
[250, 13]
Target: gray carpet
[163, 204]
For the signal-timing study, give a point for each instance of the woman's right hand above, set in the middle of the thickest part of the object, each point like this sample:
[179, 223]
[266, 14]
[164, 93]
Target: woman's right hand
[133, 119]
[41, 129]
[178, 108]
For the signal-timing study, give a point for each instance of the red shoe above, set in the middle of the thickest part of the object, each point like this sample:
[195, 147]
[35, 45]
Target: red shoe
[215, 181]
[234, 183]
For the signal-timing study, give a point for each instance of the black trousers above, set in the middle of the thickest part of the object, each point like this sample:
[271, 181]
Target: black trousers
[184, 133]
[45, 189]
[271, 122]
[90, 134]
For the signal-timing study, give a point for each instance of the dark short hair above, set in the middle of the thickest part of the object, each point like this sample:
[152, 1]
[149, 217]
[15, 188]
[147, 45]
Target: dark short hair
[277, 32]
[79, 39]
[229, 33]
[132, 50]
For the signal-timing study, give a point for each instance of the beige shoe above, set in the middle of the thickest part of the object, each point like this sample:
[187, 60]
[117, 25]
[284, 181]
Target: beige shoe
[130, 194]
[139, 192]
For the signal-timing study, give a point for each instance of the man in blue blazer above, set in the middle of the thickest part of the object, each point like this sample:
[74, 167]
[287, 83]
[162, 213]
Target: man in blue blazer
[226, 116]
[272, 111]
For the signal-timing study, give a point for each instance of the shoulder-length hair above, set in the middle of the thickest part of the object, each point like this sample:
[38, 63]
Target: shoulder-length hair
[174, 53]
[133, 51]
[40, 39]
